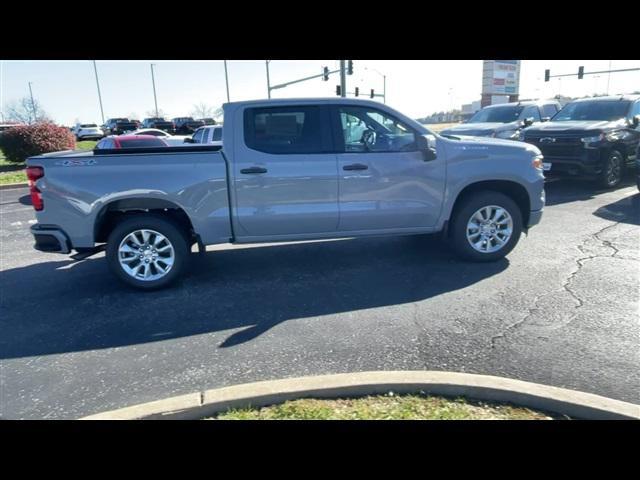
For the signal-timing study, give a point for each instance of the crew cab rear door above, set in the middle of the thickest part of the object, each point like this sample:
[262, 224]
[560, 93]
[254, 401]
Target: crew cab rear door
[284, 171]
[385, 183]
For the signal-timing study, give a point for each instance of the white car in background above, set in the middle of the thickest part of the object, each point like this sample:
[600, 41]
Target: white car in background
[84, 131]
[210, 135]
[172, 140]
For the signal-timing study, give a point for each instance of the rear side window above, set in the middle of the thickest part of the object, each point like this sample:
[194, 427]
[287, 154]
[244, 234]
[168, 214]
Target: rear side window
[217, 134]
[142, 143]
[283, 130]
[549, 110]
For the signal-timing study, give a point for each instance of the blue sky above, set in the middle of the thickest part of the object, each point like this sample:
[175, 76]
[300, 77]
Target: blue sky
[67, 89]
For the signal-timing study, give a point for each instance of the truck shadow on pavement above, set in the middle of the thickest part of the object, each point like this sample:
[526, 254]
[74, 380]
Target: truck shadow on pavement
[59, 307]
[565, 190]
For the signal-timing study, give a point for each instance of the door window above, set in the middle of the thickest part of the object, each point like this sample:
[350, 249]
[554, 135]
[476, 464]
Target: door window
[370, 130]
[283, 130]
[549, 110]
[217, 134]
[531, 111]
[197, 136]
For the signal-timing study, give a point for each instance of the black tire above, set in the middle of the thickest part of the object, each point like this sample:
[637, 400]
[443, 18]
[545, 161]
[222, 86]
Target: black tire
[466, 209]
[160, 224]
[612, 170]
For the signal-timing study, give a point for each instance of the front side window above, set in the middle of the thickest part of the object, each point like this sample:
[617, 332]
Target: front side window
[635, 110]
[283, 130]
[549, 110]
[370, 130]
[197, 136]
[604, 110]
[531, 112]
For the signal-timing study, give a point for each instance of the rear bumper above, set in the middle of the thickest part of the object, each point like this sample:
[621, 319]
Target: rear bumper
[50, 239]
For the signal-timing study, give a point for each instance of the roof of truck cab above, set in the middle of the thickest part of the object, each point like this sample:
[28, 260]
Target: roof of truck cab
[608, 98]
[319, 100]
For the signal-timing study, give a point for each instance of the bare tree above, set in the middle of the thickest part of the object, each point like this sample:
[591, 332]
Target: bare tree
[25, 111]
[152, 113]
[202, 110]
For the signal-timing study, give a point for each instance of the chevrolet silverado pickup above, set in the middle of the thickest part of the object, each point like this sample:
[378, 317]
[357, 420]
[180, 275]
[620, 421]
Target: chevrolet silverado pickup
[287, 170]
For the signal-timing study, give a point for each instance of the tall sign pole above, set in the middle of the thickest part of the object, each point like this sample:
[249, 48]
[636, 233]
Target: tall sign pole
[226, 78]
[268, 83]
[343, 79]
[33, 104]
[95, 69]
[153, 81]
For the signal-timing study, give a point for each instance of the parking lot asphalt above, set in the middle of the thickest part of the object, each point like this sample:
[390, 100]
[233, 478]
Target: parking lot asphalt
[561, 309]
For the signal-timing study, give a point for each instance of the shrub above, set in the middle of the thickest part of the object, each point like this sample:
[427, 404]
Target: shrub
[23, 141]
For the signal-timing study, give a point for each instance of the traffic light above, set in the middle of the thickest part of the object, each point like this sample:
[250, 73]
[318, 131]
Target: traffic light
[326, 74]
[547, 74]
[357, 91]
[372, 93]
[350, 67]
[338, 91]
[580, 73]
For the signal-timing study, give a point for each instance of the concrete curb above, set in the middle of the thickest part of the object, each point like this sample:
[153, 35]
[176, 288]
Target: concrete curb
[8, 186]
[482, 387]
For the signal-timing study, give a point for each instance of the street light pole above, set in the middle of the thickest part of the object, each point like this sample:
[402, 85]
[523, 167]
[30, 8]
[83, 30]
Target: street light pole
[95, 69]
[153, 81]
[33, 105]
[226, 78]
[384, 83]
[268, 83]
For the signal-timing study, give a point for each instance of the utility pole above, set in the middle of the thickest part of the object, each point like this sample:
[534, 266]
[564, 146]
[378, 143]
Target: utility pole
[226, 77]
[153, 81]
[268, 83]
[95, 69]
[384, 83]
[343, 79]
[33, 105]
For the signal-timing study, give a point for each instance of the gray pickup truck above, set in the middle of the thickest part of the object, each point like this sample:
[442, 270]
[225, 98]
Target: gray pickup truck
[288, 170]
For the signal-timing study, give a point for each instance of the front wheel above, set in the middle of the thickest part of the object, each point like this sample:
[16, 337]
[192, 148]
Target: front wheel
[147, 251]
[486, 226]
[612, 170]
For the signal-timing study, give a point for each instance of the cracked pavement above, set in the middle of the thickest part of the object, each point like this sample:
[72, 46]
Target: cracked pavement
[561, 310]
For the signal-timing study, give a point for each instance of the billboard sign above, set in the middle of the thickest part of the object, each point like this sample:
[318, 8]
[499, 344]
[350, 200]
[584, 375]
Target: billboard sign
[501, 77]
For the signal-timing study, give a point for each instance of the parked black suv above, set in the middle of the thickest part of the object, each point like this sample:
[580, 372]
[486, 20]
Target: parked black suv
[591, 137]
[187, 125]
[159, 123]
[118, 126]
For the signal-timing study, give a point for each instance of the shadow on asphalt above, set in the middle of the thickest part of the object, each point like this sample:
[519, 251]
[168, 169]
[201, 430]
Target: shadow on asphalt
[59, 307]
[565, 190]
[625, 210]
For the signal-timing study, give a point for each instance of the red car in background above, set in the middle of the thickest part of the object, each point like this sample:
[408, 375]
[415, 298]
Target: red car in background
[130, 141]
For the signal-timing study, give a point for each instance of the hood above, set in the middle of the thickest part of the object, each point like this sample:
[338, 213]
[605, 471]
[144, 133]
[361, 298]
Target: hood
[478, 144]
[481, 129]
[582, 126]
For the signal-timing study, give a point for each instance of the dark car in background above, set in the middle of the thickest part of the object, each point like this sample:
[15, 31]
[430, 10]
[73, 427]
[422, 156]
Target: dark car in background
[159, 123]
[207, 121]
[186, 125]
[505, 120]
[591, 137]
[118, 126]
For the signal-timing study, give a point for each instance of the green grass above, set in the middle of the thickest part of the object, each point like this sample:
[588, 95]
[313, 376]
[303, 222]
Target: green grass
[86, 145]
[386, 407]
[13, 177]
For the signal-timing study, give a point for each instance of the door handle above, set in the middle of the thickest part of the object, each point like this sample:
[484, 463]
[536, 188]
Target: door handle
[254, 170]
[356, 166]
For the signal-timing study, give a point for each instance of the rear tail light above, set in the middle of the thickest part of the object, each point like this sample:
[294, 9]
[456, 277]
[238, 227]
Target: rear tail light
[33, 174]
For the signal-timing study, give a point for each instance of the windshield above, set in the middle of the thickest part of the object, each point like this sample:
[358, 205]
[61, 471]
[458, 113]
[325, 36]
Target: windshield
[88, 125]
[506, 114]
[596, 110]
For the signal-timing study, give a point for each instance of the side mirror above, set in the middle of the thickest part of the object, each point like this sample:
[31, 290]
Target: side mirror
[545, 119]
[188, 140]
[635, 121]
[528, 121]
[428, 152]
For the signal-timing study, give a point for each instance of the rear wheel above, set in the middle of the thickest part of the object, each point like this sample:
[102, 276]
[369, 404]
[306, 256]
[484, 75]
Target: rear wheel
[612, 170]
[486, 226]
[147, 251]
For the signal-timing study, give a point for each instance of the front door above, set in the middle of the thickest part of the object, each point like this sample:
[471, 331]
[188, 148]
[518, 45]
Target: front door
[384, 180]
[285, 174]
